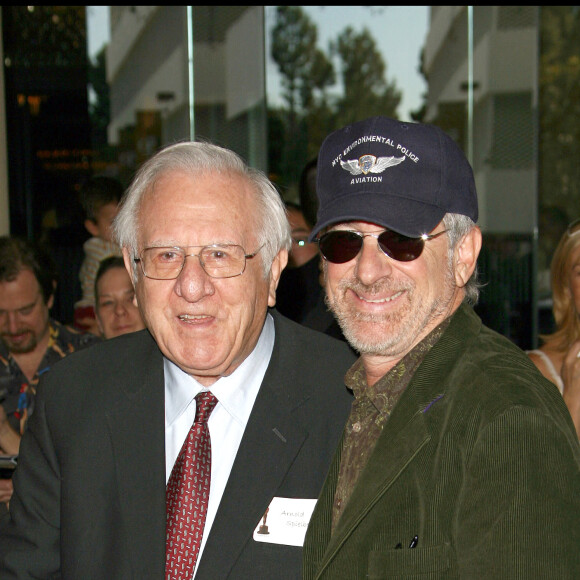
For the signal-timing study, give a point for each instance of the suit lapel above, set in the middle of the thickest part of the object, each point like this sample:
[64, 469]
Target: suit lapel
[272, 440]
[137, 424]
[403, 437]
[406, 431]
[270, 443]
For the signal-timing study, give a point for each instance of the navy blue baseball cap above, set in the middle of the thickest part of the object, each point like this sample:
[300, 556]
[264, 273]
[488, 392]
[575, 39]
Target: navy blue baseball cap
[399, 175]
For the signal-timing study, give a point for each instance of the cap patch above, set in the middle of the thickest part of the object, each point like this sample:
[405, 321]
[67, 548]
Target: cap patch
[370, 164]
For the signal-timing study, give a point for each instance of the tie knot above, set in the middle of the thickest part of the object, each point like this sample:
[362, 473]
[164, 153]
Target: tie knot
[205, 402]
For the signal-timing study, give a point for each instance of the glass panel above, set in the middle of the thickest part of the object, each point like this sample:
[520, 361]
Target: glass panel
[470, 70]
[559, 139]
[229, 85]
[48, 133]
[481, 65]
[48, 129]
[149, 74]
[330, 65]
[501, 80]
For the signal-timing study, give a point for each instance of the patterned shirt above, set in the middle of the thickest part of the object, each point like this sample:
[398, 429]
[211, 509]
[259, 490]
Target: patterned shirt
[369, 413]
[19, 394]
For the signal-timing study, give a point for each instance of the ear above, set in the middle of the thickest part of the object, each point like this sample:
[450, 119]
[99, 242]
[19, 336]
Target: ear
[465, 256]
[278, 265]
[129, 266]
[50, 301]
[92, 228]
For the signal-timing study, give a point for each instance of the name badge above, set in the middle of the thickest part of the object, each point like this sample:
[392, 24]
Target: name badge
[285, 521]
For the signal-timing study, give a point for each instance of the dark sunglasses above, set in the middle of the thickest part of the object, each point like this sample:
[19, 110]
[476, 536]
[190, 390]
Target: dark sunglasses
[341, 246]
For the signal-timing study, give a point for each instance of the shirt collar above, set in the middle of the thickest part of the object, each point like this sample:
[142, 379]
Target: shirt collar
[396, 380]
[236, 392]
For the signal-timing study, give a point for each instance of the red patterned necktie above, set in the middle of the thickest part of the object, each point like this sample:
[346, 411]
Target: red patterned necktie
[187, 495]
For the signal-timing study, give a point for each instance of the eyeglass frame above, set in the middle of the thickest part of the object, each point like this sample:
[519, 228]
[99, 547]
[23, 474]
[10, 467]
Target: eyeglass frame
[183, 249]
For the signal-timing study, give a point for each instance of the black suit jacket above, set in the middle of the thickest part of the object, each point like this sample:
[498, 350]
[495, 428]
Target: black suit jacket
[89, 499]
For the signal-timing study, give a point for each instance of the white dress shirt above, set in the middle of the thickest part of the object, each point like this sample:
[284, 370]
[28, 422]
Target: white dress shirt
[236, 394]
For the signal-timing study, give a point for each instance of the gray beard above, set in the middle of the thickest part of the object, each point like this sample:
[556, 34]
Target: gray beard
[395, 333]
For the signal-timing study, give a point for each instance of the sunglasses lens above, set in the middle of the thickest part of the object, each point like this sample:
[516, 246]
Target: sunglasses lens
[339, 247]
[400, 247]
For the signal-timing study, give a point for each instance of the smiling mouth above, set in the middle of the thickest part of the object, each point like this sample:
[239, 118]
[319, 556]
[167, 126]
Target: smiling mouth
[381, 300]
[193, 317]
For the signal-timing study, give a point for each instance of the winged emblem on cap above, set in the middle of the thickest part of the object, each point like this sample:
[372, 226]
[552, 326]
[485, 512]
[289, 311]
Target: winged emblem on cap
[370, 164]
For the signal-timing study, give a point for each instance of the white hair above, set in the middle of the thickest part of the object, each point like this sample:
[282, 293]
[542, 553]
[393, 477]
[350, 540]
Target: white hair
[194, 158]
[457, 226]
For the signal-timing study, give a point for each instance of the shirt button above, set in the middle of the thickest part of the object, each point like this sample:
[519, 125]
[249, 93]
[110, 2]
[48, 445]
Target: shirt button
[356, 427]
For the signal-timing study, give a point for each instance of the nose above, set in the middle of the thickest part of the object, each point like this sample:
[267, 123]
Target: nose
[371, 263]
[193, 283]
[12, 322]
[120, 308]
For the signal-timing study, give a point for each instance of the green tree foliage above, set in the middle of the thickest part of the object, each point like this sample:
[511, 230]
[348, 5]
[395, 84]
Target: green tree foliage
[303, 66]
[308, 76]
[306, 72]
[363, 70]
[560, 108]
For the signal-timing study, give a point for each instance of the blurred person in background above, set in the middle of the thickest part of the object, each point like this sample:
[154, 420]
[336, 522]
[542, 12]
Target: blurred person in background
[558, 358]
[30, 340]
[299, 288]
[99, 197]
[301, 295]
[115, 306]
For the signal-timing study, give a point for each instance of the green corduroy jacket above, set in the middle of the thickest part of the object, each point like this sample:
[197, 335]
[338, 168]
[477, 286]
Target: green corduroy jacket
[479, 461]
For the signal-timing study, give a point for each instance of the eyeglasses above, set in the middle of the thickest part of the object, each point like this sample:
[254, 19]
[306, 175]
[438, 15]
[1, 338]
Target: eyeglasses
[341, 246]
[217, 260]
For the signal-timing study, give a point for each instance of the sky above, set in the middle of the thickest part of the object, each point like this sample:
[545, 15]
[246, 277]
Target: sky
[97, 28]
[400, 33]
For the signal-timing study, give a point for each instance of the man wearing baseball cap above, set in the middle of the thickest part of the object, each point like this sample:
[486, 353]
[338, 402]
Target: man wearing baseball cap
[458, 460]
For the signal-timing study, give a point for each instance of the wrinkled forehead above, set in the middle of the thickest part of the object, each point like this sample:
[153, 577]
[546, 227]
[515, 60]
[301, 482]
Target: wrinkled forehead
[202, 203]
